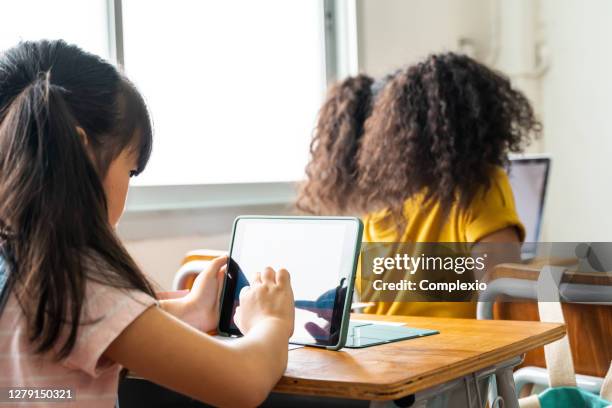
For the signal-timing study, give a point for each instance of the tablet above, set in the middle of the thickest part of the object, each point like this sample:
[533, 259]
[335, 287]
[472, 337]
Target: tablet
[320, 254]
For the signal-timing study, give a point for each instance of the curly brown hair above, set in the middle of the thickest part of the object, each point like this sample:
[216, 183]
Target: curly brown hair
[332, 170]
[439, 127]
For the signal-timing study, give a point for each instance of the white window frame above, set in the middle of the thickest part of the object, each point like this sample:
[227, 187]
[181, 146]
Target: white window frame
[340, 60]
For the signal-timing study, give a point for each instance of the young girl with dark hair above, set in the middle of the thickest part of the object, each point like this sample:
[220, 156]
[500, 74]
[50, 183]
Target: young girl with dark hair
[75, 306]
[420, 155]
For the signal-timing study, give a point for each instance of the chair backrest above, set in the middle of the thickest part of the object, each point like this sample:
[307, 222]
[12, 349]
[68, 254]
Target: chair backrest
[558, 354]
[561, 374]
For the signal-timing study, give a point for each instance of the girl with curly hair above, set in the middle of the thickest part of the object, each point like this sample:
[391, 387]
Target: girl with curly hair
[420, 155]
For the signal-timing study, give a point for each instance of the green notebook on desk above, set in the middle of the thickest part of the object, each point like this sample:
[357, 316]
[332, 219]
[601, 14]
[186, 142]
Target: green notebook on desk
[367, 334]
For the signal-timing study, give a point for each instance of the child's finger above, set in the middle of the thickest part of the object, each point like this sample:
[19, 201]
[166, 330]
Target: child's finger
[210, 273]
[257, 278]
[220, 279]
[282, 277]
[221, 272]
[268, 276]
[216, 264]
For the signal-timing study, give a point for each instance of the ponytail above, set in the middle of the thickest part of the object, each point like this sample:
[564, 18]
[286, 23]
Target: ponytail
[53, 210]
[332, 171]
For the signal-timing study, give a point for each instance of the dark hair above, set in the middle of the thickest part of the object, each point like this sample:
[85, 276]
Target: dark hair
[332, 170]
[53, 209]
[439, 127]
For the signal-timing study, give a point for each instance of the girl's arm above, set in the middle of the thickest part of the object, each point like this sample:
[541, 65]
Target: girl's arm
[501, 246]
[163, 349]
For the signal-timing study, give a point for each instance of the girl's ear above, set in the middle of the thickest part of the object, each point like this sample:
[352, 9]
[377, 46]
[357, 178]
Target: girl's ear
[88, 148]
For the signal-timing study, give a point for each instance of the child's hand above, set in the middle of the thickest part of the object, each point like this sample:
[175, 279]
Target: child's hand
[201, 305]
[269, 297]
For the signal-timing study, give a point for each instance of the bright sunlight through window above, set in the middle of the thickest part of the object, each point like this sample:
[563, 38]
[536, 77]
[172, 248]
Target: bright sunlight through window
[233, 86]
[84, 23]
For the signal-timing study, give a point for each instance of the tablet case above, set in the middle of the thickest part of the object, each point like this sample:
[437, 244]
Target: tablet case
[361, 335]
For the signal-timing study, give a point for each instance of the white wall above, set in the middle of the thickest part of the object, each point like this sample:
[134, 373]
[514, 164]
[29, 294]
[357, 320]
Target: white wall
[158, 240]
[501, 34]
[577, 112]
[394, 33]
[160, 258]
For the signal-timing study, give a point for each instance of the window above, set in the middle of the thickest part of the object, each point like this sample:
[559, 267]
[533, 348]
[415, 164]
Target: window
[84, 23]
[233, 86]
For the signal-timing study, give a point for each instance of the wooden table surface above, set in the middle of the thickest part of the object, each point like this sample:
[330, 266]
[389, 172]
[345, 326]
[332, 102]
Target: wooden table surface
[394, 370]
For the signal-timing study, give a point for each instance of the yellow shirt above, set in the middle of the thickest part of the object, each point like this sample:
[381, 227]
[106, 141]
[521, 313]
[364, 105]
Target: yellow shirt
[491, 210]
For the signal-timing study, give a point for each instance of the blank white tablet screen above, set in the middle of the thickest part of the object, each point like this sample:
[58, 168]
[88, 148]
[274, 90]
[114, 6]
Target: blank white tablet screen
[318, 253]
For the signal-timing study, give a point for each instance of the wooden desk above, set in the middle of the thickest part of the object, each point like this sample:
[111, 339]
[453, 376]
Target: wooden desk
[395, 370]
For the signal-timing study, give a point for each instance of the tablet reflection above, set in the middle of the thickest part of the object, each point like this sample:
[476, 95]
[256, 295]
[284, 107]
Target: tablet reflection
[315, 319]
[317, 316]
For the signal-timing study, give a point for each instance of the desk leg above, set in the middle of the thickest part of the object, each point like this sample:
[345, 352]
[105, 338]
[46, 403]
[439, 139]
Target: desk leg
[505, 387]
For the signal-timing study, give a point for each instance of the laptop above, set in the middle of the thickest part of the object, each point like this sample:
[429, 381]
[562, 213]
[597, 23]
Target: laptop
[529, 180]
[321, 255]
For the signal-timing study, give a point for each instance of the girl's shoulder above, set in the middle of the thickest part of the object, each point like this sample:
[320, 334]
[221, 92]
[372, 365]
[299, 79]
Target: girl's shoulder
[492, 208]
[105, 288]
[498, 191]
[109, 307]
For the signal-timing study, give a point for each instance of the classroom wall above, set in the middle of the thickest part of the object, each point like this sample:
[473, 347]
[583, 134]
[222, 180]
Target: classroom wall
[501, 34]
[576, 109]
[160, 257]
[159, 240]
[393, 33]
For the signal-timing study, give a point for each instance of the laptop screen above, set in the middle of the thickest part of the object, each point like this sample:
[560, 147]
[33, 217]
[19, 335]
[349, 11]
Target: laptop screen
[320, 255]
[528, 178]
